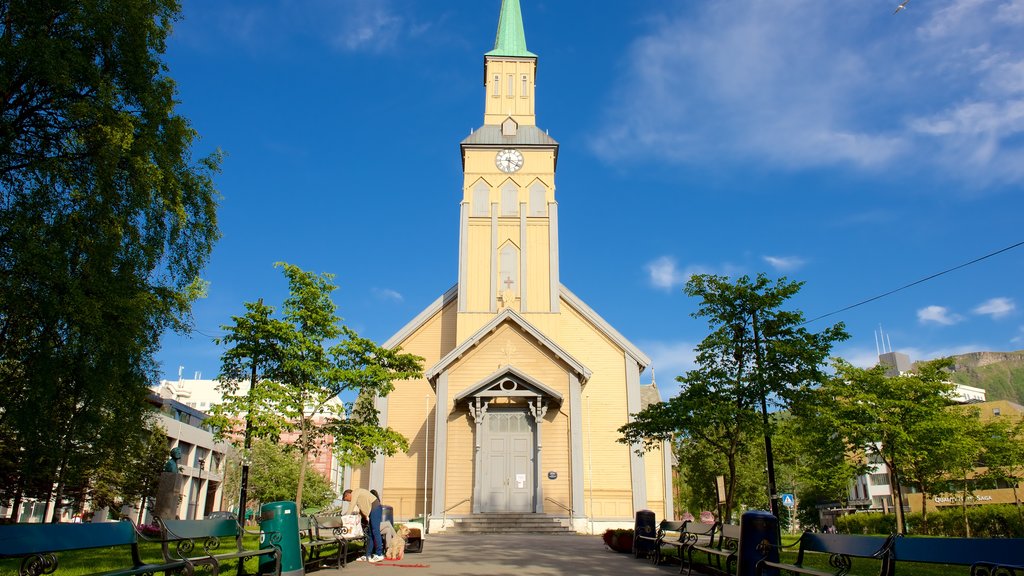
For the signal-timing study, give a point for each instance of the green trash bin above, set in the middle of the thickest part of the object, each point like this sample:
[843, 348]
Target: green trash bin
[281, 518]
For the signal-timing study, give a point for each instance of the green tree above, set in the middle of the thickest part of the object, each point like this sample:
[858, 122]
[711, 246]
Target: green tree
[274, 476]
[135, 476]
[308, 360]
[105, 222]
[757, 354]
[939, 448]
[1003, 455]
[879, 415]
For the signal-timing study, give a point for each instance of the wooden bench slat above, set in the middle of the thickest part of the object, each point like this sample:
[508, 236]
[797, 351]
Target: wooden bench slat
[40, 540]
[959, 551]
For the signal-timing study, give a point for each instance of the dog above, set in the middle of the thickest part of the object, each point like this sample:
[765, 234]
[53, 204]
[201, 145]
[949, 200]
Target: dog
[396, 543]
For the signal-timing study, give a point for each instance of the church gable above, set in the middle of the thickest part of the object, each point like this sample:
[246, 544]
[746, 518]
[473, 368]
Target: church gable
[517, 336]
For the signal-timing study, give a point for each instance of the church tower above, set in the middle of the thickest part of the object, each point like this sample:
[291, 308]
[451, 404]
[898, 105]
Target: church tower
[524, 385]
[508, 237]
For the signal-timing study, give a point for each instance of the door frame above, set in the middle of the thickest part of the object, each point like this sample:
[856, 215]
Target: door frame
[482, 489]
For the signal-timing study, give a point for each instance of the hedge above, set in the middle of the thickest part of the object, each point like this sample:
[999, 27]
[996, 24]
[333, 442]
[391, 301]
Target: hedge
[991, 521]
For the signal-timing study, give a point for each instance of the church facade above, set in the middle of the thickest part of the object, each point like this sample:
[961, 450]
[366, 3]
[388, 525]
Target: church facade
[525, 386]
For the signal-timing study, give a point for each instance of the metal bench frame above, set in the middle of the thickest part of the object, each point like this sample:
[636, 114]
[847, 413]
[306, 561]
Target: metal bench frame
[209, 534]
[38, 544]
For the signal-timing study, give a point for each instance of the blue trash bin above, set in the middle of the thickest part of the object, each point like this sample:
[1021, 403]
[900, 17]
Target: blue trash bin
[759, 538]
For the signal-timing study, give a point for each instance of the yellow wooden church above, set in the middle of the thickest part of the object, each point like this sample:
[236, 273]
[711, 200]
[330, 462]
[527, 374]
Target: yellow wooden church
[525, 385]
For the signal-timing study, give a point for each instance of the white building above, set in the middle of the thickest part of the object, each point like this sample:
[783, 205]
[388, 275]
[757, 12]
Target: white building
[202, 395]
[202, 460]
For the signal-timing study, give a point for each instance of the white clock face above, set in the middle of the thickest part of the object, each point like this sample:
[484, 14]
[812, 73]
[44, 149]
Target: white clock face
[509, 160]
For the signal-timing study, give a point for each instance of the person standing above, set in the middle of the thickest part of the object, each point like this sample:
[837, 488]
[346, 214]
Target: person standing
[368, 506]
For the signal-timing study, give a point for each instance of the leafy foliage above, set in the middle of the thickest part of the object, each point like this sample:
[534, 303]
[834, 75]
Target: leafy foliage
[105, 224]
[274, 477]
[299, 364]
[888, 417]
[756, 353]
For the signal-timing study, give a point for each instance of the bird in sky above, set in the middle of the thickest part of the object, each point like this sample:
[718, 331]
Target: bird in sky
[901, 6]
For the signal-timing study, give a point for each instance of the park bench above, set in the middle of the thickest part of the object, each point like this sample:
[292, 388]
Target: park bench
[667, 529]
[334, 528]
[840, 548]
[987, 569]
[985, 556]
[199, 542]
[721, 550]
[692, 534]
[38, 545]
[314, 546]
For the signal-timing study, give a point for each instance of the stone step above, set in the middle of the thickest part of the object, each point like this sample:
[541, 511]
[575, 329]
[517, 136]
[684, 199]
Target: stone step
[509, 524]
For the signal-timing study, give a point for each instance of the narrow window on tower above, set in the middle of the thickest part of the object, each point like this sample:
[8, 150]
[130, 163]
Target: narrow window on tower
[508, 270]
[481, 200]
[538, 200]
[523, 89]
[511, 85]
[510, 200]
[496, 86]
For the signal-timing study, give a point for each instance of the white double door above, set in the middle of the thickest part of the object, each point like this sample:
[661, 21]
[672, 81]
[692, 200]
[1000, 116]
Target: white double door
[507, 453]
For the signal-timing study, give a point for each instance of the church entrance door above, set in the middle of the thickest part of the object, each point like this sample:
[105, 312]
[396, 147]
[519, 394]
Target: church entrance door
[507, 457]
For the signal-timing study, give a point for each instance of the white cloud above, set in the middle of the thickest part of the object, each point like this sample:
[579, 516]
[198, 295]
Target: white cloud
[996, 308]
[669, 359]
[1019, 338]
[785, 263]
[664, 272]
[387, 294]
[938, 315]
[346, 25]
[798, 84]
[367, 25]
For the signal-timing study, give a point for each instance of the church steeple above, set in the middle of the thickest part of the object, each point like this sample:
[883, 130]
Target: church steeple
[511, 37]
[508, 238]
[510, 72]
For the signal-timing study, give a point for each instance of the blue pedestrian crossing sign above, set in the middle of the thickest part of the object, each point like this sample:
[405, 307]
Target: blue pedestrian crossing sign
[788, 501]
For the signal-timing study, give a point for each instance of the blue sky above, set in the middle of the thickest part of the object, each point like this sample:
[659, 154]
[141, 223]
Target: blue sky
[831, 142]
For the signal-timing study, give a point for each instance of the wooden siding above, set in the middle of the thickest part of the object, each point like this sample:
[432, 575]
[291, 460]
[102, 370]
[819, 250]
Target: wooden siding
[411, 413]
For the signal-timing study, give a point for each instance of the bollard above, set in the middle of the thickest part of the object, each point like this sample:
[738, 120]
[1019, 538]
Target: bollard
[759, 538]
[644, 526]
[282, 519]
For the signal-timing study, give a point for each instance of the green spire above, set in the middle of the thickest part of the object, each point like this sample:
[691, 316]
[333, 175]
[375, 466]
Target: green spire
[511, 39]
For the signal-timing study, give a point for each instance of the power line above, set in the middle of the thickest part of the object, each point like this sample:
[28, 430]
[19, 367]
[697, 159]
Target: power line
[891, 292]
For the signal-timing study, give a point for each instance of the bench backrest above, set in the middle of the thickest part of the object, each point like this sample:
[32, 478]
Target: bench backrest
[729, 532]
[220, 528]
[28, 539]
[846, 544]
[700, 533]
[335, 524]
[962, 551]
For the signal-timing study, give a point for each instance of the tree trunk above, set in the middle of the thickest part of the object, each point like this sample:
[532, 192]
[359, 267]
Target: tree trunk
[16, 506]
[963, 507]
[1016, 501]
[924, 510]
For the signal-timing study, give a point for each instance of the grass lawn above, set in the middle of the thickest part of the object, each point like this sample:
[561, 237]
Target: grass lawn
[82, 562]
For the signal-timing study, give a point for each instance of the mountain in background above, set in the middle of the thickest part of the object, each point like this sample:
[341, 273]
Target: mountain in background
[1001, 374]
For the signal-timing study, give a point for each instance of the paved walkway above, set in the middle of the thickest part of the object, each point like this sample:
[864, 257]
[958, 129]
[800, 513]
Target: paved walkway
[509, 555]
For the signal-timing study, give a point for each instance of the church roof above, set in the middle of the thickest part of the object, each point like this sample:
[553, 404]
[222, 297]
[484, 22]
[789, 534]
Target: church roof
[571, 299]
[613, 334]
[649, 395]
[493, 386]
[511, 37]
[489, 135]
[509, 315]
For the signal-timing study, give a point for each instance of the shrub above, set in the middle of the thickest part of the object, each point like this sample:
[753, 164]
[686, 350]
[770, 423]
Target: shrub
[991, 521]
